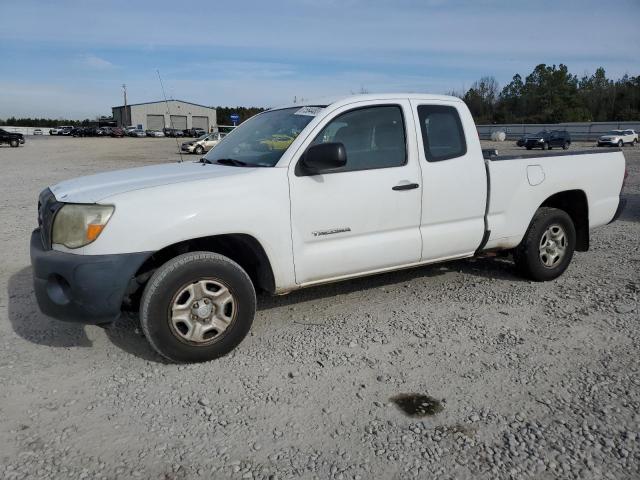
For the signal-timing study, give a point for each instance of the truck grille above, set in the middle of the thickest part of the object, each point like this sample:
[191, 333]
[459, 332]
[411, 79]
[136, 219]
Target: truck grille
[48, 206]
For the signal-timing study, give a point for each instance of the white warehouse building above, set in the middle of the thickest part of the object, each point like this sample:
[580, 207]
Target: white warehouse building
[158, 115]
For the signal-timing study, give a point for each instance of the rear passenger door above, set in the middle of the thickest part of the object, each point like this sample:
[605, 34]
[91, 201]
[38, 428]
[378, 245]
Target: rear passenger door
[454, 180]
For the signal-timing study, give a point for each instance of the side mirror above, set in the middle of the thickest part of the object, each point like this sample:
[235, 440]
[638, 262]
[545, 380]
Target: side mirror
[322, 158]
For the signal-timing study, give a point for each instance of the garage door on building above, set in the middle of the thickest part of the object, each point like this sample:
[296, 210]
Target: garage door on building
[179, 122]
[201, 122]
[155, 122]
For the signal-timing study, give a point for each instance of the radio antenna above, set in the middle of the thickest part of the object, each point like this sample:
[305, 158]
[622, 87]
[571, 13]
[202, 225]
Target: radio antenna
[169, 112]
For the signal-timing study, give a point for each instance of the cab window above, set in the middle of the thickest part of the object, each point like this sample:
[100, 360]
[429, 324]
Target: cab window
[442, 133]
[373, 137]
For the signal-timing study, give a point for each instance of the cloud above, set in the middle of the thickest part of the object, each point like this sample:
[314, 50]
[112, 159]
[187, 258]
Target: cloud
[93, 61]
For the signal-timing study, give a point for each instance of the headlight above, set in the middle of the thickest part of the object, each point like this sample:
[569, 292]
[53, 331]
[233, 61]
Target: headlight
[77, 225]
[541, 139]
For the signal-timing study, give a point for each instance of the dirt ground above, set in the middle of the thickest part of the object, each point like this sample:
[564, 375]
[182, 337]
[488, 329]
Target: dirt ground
[528, 380]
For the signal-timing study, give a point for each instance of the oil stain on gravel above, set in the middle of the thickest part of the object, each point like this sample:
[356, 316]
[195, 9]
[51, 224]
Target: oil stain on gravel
[417, 405]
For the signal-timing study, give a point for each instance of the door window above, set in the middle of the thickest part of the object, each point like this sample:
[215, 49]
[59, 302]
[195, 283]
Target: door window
[373, 137]
[442, 133]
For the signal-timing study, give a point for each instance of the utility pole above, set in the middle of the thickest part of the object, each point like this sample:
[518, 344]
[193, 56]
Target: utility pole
[124, 89]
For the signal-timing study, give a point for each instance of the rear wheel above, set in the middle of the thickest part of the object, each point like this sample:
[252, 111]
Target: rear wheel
[197, 307]
[547, 248]
[565, 146]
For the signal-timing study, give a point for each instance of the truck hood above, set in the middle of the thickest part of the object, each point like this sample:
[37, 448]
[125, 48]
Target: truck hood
[93, 188]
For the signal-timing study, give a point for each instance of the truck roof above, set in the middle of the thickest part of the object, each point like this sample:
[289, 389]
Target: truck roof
[344, 100]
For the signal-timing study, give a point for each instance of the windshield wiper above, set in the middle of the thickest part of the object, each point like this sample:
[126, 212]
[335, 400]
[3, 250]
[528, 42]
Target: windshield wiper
[232, 162]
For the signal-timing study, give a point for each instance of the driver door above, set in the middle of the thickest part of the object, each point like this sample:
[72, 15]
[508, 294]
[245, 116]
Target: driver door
[364, 217]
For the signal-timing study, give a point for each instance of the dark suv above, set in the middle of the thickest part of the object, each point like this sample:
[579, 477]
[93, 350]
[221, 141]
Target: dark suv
[546, 140]
[11, 138]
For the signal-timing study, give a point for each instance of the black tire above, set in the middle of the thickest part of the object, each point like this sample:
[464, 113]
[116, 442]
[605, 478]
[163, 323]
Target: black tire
[14, 143]
[199, 150]
[635, 140]
[545, 146]
[620, 144]
[565, 146]
[527, 255]
[169, 280]
[528, 148]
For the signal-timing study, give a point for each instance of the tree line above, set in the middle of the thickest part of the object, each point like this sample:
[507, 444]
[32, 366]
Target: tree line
[223, 114]
[46, 122]
[550, 94]
[223, 117]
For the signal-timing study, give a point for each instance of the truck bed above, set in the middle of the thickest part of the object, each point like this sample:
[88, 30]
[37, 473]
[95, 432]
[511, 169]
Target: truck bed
[520, 184]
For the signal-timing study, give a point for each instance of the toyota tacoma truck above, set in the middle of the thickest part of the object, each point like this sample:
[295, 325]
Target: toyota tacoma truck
[368, 184]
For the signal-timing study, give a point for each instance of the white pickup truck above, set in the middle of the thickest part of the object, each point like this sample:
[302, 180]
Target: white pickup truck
[303, 195]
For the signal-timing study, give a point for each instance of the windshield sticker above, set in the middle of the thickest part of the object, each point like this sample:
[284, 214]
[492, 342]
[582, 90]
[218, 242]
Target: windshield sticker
[309, 111]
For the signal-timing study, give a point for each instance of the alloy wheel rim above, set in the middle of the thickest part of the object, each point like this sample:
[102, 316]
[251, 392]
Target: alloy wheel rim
[553, 246]
[201, 311]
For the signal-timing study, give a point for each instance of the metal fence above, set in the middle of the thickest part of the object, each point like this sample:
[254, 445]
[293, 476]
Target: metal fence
[585, 131]
[26, 130]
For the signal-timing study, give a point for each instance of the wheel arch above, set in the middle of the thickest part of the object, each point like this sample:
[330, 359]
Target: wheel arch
[575, 203]
[242, 248]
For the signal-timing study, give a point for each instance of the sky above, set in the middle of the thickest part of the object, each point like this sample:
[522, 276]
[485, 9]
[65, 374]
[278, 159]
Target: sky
[68, 59]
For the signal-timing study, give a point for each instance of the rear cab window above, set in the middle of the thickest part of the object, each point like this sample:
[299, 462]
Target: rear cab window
[442, 133]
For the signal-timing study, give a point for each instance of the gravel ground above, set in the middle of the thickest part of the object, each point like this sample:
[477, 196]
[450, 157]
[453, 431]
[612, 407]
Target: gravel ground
[530, 380]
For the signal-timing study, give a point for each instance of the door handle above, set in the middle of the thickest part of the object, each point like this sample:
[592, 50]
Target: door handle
[406, 186]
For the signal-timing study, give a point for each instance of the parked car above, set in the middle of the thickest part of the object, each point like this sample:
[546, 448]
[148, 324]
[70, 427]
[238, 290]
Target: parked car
[172, 132]
[78, 132]
[117, 132]
[37, 131]
[154, 133]
[53, 131]
[348, 197]
[618, 138]
[278, 141]
[194, 132]
[546, 140]
[64, 130]
[137, 133]
[202, 144]
[11, 138]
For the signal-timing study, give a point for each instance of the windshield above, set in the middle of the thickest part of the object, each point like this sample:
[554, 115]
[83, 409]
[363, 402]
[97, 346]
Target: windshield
[262, 140]
[541, 133]
[614, 132]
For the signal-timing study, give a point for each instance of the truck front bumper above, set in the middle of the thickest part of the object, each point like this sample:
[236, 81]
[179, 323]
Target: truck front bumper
[81, 288]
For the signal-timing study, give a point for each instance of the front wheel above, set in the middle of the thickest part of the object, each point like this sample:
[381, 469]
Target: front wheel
[545, 146]
[565, 146]
[199, 150]
[14, 143]
[197, 307]
[620, 144]
[547, 248]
